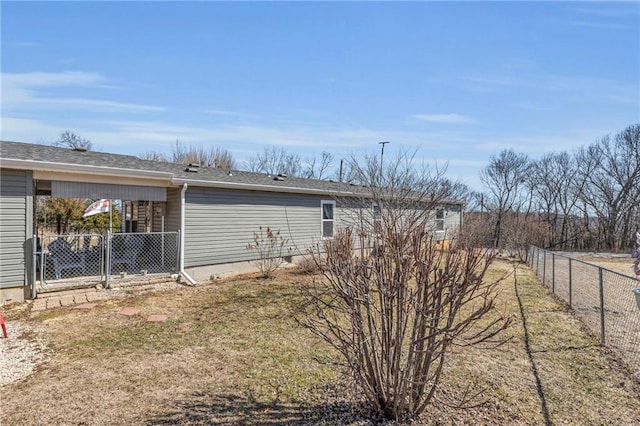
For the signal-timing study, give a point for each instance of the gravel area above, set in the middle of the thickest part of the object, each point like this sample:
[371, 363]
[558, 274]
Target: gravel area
[21, 352]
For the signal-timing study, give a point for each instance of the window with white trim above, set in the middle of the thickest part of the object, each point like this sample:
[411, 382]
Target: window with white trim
[439, 219]
[377, 219]
[328, 211]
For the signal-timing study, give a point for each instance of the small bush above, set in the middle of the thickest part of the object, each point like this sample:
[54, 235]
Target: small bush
[308, 265]
[270, 247]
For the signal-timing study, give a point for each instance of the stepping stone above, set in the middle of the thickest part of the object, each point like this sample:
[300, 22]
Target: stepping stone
[86, 306]
[129, 311]
[157, 318]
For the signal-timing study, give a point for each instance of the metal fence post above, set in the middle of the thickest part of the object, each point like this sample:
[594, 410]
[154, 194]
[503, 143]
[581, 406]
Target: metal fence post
[537, 261]
[107, 262]
[602, 337]
[34, 266]
[553, 272]
[544, 266]
[570, 284]
[178, 265]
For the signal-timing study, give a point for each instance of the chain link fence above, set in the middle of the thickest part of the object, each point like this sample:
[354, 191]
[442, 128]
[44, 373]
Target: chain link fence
[63, 261]
[70, 258]
[604, 299]
[148, 253]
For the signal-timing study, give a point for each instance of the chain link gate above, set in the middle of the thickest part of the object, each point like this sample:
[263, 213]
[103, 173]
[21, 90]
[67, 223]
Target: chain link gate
[70, 259]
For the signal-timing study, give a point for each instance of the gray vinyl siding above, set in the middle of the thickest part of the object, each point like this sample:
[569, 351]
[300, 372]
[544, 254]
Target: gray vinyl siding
[352, 215]
[16, 188]
[220, 223]
[451, 221]
[172, 210]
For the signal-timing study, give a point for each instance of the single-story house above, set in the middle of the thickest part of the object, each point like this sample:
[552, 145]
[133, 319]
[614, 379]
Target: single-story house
[213, 213]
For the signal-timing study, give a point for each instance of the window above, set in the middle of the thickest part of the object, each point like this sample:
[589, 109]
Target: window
[439, 219]
[328, 208]
[377, 219]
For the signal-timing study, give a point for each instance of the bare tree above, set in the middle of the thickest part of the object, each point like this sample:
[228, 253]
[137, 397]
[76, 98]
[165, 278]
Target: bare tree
[154, 156]
[275, 160]
[559, 180]
[318, 168]
[215, 157]
[611, 190]
[394, 313]
[69, 139]
[504, 177]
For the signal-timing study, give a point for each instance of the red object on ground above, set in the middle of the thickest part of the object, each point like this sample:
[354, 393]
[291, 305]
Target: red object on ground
[4, 327]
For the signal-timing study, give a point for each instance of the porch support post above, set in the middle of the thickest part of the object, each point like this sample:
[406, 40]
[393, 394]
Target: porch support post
[34, 266]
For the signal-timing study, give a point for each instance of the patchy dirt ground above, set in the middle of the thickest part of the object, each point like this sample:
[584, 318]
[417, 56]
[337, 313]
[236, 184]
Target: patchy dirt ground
[230, 353]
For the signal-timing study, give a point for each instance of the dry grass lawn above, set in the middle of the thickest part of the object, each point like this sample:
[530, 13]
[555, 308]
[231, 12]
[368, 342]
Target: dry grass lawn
[230, 353]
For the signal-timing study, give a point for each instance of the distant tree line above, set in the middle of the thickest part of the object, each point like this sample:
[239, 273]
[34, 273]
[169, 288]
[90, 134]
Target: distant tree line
[588, 199]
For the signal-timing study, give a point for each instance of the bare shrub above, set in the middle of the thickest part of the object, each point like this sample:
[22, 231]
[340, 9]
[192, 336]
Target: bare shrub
[393, 313]
[269, 245]
[521, 232]
[307, 265]
[393, 317]
[477, 231]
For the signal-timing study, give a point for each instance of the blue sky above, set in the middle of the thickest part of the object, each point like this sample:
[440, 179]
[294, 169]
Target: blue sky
[459, 81]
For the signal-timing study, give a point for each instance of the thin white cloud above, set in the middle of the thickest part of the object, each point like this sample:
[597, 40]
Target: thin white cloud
[227, 113]
[608, 10]
[599, 25]
[24, 92]
[531, 145]
[135, 137]
[574, 88]
[49, 79]
[28, 130]
[98, 105]
[444, 118]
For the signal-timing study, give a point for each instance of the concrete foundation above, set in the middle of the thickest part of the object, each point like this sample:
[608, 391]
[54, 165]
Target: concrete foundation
[14, 294]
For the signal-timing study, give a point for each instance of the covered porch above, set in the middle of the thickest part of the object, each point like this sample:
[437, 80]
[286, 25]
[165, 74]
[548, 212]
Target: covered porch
[137, 240]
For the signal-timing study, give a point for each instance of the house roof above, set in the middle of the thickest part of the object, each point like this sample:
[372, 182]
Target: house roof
[53, 158]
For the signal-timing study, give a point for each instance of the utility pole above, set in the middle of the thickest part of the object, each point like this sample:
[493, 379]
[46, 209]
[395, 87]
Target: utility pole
[382, 155]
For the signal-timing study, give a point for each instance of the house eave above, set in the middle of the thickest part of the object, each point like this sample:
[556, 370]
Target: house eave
[46, 166]
[259, 187]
